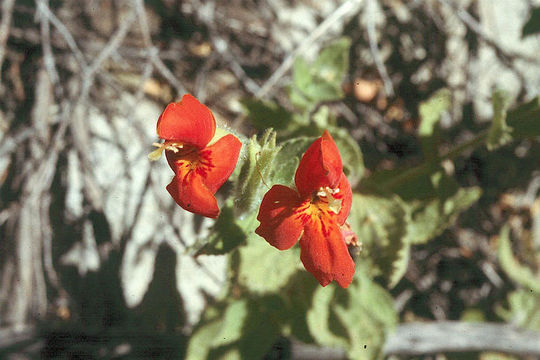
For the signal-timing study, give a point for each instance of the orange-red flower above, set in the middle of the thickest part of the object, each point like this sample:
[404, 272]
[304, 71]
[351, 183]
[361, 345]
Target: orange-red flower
[313, 213]
[200, 169]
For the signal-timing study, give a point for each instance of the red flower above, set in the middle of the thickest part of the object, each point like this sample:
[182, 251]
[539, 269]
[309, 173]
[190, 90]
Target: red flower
[314, 213]
[187, 127]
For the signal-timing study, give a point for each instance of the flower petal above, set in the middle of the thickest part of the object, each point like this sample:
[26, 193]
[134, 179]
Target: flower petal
[324, 252]
[345, 195]
[192, 195]
[187, 121]
[281, 217]
[217, 162]
[320, 166]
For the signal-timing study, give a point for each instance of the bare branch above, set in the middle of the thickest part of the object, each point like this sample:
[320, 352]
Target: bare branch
[7, 12]
[62, 29]
[48, 57]
[451, 336]
[372, 36]
[348, 8]
[153, 52]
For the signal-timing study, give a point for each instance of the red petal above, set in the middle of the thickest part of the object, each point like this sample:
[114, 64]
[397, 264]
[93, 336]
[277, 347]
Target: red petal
[320, 166]
[187, 121]
[281, 217]
[345, 195]
[191, 194]
[324, 252]
[218, 161]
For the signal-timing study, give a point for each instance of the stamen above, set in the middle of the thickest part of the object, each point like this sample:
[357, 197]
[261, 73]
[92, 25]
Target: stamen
[172, 146]
[333, 204]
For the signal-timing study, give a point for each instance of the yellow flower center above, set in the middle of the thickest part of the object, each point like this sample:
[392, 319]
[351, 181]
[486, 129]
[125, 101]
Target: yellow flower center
[327, 194]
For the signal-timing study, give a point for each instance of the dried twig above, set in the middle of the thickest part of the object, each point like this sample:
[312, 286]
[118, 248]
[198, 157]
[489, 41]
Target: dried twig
[7, 12]
[153, 52]
[48, 57]
[62, 29]
[372, 36]
[348, 8]
[450, 336]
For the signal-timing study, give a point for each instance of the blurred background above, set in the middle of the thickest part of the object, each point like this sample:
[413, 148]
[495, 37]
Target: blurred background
[96, 260]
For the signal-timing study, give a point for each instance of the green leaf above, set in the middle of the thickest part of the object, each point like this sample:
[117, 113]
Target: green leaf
[287, 160]
[298, 295]
[429, 217]
[333, 61]
[525, 119]
[232, 323]
[319, 319]
[532, 26]
[263, 269]
[321, 80]
[356, 319]
[249, 187]
[266, 114]
[517, 272]
[201, 340]
[380, 225]
[431, 112]
[225, 234]
[523, 309]
[351, 155]
[237, 329]
[262, 326]
[499, 133]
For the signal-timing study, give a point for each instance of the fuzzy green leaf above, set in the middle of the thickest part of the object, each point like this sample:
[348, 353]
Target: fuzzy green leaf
[264, 269]
[429, 217]
[523, 309]
[266, 114]
[225, 235]
[499, 133]
[431, 112]
[238, 329]
[321, 80]
[380, 225]
[525, 119]
[287, 160]
[249, 187]
[517, 272]
[532, 26]
[356, 319]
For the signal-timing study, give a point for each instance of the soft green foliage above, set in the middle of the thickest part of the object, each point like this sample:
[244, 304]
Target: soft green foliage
[321, 80]
[267, 114]
[249, 186]
[351, 155]
[288, 158]
[237, 329]
[226, 234]
[499, 133]
[356, 318]
[524, 303]
[269, 294]
[431, 112]
[380, 224]
[263, 268]
[516, 271]
[429, 217]
[523, 309]
[532, 26]
[525, 119]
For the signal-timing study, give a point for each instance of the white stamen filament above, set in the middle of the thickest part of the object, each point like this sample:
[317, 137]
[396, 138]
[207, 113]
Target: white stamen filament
[333, 204]
[156, 154]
